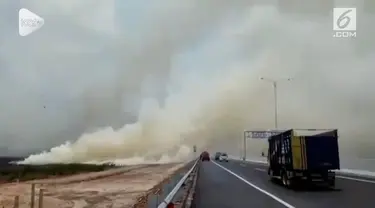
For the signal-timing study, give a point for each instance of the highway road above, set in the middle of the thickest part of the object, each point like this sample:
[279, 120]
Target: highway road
[242, 184]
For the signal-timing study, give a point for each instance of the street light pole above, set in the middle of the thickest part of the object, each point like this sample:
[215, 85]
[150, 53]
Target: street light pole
[275, 98]
[274, 84]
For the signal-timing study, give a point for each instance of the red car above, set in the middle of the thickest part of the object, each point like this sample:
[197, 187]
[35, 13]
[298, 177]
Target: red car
[205, 156]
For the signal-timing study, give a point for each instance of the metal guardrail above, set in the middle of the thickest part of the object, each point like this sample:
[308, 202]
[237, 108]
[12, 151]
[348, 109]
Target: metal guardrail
[178, 186]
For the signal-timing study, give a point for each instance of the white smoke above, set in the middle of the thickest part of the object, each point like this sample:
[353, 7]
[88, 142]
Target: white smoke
[218, 94]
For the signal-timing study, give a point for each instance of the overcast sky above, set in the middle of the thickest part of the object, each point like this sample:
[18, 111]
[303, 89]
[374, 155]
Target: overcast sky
[89, 65]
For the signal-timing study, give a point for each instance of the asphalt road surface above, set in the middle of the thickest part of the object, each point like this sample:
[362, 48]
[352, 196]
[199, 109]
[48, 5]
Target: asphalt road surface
[242, 184]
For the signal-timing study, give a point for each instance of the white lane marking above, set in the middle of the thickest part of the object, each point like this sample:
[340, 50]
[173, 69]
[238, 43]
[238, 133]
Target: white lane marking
[256, 187]
[260, 169]
[243, 165]
[355, 179]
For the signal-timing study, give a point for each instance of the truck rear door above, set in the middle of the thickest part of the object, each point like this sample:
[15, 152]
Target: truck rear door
[322, 152]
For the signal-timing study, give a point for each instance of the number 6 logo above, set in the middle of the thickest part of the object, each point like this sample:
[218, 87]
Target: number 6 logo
[343, 17]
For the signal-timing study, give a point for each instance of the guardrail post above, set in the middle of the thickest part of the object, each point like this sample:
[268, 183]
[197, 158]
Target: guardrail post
[158, 194]
[32, 202]
[41, 198]
[16, 202]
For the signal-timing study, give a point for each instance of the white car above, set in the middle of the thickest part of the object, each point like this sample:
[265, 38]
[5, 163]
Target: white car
[223, 157]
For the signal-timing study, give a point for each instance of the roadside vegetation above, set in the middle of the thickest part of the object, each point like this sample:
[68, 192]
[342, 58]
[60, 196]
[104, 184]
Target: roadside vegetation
[13, 172]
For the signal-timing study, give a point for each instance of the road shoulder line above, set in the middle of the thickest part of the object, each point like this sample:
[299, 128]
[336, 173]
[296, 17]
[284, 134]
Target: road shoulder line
[260, 169]
[355, 179]
[338, 174]
[256, 187]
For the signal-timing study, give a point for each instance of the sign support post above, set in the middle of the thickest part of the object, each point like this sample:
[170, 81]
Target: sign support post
[258, 135]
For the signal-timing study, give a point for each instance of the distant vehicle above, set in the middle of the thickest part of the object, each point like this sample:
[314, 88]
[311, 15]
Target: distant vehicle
[223, 157]
[217, 155]
[205, 156]
[296, 158]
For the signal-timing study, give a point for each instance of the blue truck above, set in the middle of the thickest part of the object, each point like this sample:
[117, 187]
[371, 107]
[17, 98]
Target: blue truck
[304, 156]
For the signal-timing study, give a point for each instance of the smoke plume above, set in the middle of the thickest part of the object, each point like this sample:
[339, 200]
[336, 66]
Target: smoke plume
[171, 75]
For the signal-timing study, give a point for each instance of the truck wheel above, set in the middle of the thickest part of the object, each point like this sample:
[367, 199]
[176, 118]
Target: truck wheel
[331, 183]
[271, 175]
[270, 172]
[286, 181]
